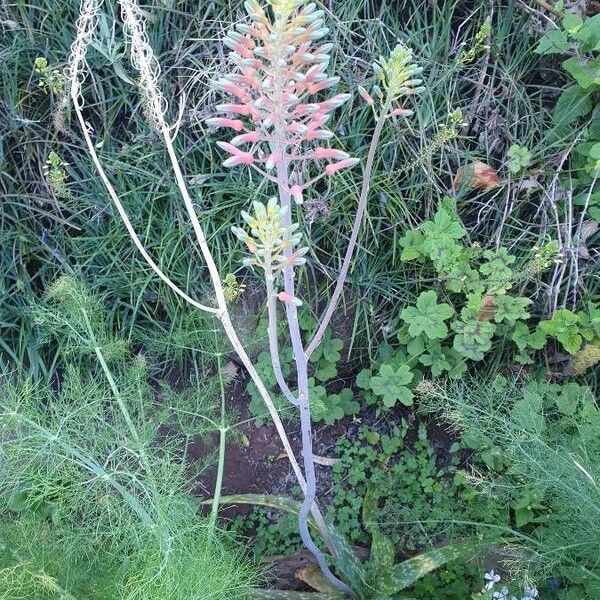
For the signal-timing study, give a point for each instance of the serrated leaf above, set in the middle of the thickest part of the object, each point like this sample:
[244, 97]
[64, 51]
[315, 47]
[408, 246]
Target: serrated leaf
[589, 34]
[571, 105]
[391, 385]
[427, 317]
[565, 327]
[572, 22]
[586, 72]
[553, 42]
[473, 338]
[412, 245]
[524, 338]
[363, 379]
[510, 309]
[325, 370]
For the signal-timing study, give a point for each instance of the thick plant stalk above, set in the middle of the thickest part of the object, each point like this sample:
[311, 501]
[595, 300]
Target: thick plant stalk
[77, 71]
[301, 361]
[278, 67]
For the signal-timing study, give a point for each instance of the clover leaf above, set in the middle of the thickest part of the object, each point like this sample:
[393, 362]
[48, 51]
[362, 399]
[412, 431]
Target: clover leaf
[391, 384]
[520, 158]
[428, 316]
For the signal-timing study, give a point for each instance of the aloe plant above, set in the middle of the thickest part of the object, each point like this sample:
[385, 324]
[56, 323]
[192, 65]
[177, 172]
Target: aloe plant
[379, 577]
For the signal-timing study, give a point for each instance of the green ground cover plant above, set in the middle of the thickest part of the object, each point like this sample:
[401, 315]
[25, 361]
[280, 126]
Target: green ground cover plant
[539, 442]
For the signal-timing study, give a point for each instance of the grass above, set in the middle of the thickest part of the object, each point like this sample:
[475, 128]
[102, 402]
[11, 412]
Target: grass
[79, 234]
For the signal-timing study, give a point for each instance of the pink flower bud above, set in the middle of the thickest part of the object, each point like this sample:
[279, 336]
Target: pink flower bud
[322, 153]
[365, 95]
[238, 109]
[247, 138]
[234, 89]
[217, 122]
[288, 299]
[272, 160]
[343, 164]
[402, 112]
[238, 157]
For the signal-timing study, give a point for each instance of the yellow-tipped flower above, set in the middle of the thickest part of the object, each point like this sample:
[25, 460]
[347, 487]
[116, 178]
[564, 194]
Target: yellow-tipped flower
[398, 73]
[268, 237]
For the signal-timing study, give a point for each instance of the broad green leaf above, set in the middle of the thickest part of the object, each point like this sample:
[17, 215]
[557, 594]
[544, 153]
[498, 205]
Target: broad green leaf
[524, 338]
[572, 104]
[325, 370]
[444, 227]
[553, 42]
[473, 338]
[565, 327]
[520, 158]
[427, 317]
[412, 245]
[391, 385]
[589, 34]
[585, 72]
[328, 349]
[363, 379]
[510, 309]
[572, 22]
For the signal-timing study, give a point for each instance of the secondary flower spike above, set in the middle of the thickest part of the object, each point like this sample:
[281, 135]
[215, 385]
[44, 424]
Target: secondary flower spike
[280, 65]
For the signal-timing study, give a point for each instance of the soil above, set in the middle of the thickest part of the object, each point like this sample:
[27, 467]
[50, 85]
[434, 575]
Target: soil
[256, 462]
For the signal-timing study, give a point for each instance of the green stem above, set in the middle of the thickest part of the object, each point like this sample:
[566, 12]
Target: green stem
[221, 464]
[219, 483]
[116, 394]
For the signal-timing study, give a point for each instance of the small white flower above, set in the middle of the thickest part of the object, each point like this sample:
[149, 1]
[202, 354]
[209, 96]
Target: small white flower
[502, 594]
[530, 593]
[491, 579]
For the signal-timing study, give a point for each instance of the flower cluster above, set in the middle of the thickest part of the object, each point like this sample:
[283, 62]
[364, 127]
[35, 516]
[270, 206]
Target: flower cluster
[397, 76]
[397, 73]
[279, 66]
[268, 238]
[492, 578]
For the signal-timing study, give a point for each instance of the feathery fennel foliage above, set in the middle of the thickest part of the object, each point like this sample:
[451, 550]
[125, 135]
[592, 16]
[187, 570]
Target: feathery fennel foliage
[91, 506]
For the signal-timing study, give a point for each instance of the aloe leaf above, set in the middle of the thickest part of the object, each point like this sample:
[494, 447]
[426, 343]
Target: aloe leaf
[381, 561]
[261, 594]
[282, 503]
[346, 560]
[409, 571]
